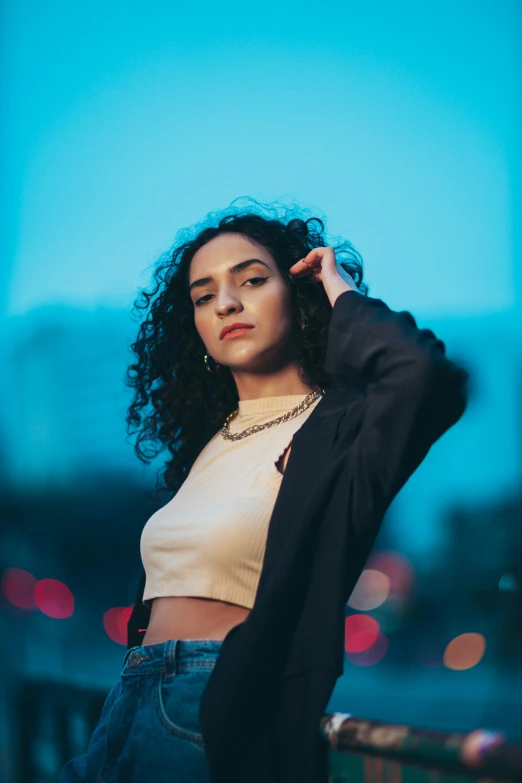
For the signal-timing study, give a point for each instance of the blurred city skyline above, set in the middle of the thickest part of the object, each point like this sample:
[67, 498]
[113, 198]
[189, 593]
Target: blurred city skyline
[67, 402]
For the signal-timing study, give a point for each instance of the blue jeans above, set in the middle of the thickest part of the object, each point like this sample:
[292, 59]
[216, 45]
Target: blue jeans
[149, 726]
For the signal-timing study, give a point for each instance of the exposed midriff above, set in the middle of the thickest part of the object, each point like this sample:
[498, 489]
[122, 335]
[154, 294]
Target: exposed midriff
[187, 617]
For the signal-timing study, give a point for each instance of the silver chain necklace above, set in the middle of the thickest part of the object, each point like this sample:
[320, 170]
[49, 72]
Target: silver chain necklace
[303, 405]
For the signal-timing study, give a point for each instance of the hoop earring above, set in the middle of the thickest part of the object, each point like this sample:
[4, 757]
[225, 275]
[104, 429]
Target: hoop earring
[216, 365]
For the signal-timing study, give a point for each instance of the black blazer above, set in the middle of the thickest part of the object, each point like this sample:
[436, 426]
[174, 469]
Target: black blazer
[261, 708]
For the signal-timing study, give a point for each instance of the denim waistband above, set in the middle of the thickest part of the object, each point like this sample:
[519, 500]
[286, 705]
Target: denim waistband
[172, 655]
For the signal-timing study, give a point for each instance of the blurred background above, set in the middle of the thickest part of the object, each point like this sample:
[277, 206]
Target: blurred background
[399, 123]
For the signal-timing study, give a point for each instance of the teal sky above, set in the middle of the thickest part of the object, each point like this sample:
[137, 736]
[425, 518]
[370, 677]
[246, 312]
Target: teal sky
[398, 121]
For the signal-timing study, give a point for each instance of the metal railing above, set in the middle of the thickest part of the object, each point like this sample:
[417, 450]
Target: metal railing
[371, 751]
[53, 722]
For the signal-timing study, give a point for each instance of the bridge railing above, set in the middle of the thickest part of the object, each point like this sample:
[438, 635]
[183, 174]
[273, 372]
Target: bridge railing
[53, 721]
[373, 752]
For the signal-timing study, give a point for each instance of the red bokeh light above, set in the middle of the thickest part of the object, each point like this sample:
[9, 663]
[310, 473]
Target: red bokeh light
[115, 623]
[54, 598]
[360, 632]
[18, 587]
[373, 654]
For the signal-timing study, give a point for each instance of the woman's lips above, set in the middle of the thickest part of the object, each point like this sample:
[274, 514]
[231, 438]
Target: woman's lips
[237, 333]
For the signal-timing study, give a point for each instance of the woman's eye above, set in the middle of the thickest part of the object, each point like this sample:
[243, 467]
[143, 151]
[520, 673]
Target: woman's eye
[204, 300]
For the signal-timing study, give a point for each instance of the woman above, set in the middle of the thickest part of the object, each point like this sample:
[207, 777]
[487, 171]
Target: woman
[213, 602]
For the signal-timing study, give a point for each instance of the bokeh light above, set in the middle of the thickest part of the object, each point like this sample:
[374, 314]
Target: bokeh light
[18, 587]
[397, 568]
[115, 623]
[372, 655]
[360, 632]
[464, 651]
[54, 598]
[371, 590]
[508, 582]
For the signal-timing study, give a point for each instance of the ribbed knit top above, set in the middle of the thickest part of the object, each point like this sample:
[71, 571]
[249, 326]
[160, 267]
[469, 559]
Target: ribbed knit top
[209, 539]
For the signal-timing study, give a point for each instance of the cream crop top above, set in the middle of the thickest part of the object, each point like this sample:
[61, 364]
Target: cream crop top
[209, 539]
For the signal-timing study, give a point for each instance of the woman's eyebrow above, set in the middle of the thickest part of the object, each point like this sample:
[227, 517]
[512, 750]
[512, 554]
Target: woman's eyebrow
[236, 268]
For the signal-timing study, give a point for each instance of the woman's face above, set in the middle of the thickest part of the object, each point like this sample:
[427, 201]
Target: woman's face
[241, 296]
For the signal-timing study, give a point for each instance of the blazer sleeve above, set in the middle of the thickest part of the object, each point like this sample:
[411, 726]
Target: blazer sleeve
[412, 394]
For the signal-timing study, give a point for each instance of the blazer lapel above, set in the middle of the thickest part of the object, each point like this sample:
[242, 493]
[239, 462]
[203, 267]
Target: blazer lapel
[308, 470]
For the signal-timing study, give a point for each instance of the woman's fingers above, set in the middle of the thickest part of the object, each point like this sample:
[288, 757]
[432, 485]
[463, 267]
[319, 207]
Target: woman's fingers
[305, 266]
[321, 264]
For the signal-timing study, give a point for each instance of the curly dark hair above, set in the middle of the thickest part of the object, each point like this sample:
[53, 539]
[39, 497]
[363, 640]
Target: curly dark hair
[188, 404]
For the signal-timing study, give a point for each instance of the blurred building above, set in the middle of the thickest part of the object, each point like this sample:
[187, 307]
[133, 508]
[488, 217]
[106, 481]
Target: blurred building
[66, 395]
[484, 566]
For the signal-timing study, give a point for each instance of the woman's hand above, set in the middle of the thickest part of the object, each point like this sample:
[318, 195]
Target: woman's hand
[322, 265]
